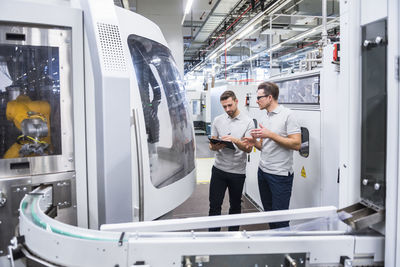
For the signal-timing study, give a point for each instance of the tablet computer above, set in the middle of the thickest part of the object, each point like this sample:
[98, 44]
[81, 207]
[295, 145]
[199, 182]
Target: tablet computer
[228, 144]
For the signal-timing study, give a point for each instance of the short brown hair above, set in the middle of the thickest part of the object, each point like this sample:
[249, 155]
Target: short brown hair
[227, 94]
[269, 89]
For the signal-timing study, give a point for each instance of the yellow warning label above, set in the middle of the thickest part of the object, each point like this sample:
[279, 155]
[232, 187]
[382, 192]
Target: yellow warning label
[303, 172]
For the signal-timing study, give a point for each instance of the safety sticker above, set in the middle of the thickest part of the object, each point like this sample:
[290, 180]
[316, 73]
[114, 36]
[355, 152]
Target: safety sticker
[303, 172]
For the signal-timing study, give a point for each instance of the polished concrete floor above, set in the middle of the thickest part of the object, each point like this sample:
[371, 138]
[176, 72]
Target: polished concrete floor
[197, 205]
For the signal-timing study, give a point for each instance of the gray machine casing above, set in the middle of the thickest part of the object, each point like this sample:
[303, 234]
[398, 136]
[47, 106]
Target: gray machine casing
[59, 171]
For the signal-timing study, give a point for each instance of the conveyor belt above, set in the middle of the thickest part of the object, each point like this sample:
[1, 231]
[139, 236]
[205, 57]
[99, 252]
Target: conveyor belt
[65, 245]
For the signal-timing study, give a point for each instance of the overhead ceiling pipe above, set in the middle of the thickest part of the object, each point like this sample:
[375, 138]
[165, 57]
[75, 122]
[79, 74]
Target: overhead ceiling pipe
[271, 10]
[274, 7]
[233, 23]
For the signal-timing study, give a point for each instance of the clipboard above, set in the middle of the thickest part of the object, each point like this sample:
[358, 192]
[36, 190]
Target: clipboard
[228, 144]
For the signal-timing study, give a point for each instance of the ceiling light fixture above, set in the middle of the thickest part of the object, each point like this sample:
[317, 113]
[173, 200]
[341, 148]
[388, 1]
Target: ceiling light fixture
[187, 9]
[245, 32]
[253, 57]
[303, 35]
[241, 62]
[213, 56]
[290, 58]
[274, 48]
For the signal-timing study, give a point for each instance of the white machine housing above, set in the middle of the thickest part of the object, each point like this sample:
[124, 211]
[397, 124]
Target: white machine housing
[129, 125]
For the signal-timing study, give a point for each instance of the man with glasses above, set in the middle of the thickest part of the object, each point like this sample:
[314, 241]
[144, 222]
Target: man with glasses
[229, 170]
[279, 134]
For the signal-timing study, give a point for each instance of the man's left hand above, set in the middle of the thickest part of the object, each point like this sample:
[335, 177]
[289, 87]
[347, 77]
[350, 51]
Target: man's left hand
[229, 138]
[261, 132]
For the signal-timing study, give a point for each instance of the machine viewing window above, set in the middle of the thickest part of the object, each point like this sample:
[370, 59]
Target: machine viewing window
[167, 116]
[303, 90]
[30, 123]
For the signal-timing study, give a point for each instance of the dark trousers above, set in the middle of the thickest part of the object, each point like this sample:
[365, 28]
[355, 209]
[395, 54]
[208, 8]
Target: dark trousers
[221, 180]
[275, 192]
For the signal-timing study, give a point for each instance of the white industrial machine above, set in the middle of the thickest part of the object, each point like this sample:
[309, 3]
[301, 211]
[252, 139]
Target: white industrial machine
[96, 110]
[368, 163]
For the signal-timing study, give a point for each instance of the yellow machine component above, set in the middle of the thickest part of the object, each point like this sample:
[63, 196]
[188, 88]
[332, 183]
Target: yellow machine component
[24, 108]
[13, 151]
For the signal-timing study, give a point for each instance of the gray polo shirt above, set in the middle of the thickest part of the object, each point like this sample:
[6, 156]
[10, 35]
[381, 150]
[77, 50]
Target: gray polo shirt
[274, 158]
[229, 160]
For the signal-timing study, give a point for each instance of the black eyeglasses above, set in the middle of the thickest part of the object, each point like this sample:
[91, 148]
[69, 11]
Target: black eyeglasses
[261, 96]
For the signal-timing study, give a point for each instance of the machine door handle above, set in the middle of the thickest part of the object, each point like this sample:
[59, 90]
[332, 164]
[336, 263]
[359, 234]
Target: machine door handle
[315, 89]
[3, 199]
[138, 138]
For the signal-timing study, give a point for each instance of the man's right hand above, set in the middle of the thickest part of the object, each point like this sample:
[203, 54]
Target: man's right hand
[249, 140]
[216, 147]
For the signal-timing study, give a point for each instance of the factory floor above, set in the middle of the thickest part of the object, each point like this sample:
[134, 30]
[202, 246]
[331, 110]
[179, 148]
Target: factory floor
[197, 205]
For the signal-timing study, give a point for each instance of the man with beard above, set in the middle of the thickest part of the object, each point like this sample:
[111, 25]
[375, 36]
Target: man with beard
[229, 170]
[279, 134]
